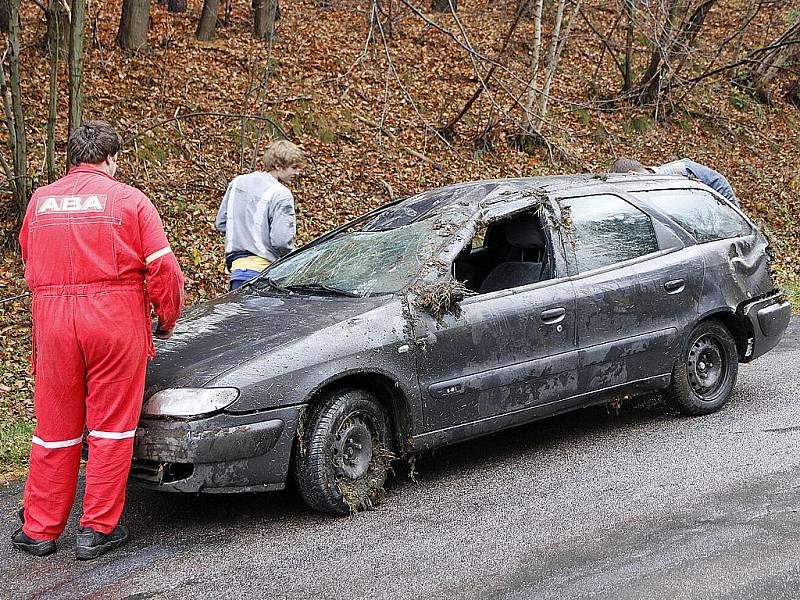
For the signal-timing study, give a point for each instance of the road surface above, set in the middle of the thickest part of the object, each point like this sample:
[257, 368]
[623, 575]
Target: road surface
[637, 504]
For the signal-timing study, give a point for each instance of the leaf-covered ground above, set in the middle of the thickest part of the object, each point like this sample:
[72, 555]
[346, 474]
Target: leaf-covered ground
[364, 105]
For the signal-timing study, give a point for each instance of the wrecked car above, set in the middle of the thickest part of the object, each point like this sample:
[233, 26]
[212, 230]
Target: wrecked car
[451, 314]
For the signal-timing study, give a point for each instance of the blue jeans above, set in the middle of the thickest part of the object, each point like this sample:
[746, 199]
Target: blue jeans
[240, 276]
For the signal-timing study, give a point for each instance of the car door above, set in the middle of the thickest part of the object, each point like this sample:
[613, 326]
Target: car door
[723, 241]
[671, 284]
[505, 353]
[619, 345]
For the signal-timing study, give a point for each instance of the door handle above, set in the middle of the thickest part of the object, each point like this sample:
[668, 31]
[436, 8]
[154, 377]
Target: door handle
[553, 315]
[675, 286]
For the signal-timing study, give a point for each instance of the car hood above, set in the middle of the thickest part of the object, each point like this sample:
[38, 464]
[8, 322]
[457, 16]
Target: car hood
[214, 337]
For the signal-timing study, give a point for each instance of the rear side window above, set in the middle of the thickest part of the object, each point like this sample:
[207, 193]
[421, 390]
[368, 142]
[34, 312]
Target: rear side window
[605, 230]
[704, 216]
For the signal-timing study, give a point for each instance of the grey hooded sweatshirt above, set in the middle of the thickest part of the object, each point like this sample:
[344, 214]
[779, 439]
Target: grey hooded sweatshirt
[257, 217]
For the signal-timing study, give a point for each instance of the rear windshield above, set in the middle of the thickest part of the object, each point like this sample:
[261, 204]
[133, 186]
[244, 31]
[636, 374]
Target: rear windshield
[702, 214]
[363, 263]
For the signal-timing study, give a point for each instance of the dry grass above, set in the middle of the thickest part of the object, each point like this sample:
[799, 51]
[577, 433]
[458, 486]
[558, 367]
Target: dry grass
[442, 298]
[367, 493]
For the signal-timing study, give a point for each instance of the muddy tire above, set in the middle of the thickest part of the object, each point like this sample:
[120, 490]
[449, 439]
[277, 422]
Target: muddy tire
[703, 380]
[343, 459]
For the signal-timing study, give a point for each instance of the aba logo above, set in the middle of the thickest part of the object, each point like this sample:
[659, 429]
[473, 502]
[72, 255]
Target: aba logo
[71, 204]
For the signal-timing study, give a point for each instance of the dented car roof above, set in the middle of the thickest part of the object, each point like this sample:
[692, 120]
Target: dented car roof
[498, 197]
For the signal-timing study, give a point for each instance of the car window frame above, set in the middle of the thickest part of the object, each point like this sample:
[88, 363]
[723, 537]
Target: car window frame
[569, 251]
[553, 241]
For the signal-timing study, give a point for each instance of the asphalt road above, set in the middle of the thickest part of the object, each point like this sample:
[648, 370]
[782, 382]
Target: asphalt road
[639, 504]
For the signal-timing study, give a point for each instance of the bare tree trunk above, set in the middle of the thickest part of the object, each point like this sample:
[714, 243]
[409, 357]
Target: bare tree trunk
[265, 13]
[557, 43]
[76, 65]
[793, 93]
[21, 153]
[8, 121]
[444, 5]
[176, 6]
[5, 16]
[771, 62]
[54, 37]
[651, 80]
[133, 24]
[537, 52]
[676, 39]
[447, 130]
[57, 25]
[628, 78]
[688, 34]
[15, 119]
[208, 20]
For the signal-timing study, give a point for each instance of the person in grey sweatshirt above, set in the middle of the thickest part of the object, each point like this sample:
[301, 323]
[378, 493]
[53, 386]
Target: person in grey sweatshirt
[257, 214]
[684, 167]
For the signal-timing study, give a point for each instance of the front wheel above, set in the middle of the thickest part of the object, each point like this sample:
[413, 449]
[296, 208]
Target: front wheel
[703, 379]
[343, 456]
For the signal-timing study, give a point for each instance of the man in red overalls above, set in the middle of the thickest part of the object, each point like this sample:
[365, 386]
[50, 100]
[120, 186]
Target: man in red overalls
[96, 256]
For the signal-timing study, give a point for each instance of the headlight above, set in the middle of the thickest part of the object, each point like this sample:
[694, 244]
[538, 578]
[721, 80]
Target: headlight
[188, 402]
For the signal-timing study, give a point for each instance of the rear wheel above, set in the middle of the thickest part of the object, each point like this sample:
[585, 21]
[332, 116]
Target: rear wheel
[343, 456]
[703, 380]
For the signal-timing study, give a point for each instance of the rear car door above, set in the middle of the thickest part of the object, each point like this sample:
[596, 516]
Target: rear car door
[727, 244]
[621, 345]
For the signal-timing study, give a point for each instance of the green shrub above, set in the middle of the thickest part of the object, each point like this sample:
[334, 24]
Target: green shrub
[15, 446]
[739, 101]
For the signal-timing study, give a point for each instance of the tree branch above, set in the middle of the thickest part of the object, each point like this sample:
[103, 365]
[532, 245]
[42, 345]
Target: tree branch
[406, 93]
[476, 95]
[207, 114]
[743, 61]
[724, 43]
[394, 138]
[603, 39]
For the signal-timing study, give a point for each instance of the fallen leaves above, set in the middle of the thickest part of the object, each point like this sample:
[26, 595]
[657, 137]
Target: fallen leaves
[367, 132]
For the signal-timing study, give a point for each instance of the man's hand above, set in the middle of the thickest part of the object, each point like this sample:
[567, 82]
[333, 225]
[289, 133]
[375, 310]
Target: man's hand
[163, 334]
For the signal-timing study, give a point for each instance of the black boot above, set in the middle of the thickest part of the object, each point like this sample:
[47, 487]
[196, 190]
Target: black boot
[36, 547]
[91, 543]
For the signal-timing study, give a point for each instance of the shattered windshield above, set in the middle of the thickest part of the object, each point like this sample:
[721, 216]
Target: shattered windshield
[358, 263]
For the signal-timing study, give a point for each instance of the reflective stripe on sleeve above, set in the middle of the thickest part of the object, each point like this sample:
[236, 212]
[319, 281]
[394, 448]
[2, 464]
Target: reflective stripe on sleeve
[157, 254]
[60, 444]
[113, 435]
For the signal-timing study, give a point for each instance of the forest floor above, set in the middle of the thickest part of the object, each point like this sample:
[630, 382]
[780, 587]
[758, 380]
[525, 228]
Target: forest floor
[365, 103]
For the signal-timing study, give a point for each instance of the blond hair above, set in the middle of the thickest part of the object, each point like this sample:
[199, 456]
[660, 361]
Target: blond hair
[281, 154]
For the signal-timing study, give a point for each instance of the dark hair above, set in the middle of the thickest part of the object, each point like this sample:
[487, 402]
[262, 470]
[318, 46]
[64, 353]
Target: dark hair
[626, 165]
[92, 142]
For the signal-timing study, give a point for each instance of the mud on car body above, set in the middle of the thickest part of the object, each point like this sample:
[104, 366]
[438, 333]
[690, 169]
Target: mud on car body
[451, 314]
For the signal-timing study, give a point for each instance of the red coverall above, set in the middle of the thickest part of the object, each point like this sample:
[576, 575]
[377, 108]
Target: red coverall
[89, 244]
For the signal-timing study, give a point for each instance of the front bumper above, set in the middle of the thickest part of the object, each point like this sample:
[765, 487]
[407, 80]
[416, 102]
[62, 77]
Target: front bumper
[222, 453]
[769, 316]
